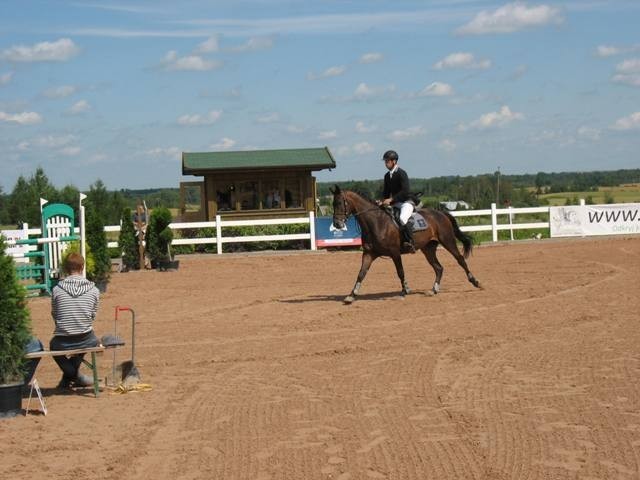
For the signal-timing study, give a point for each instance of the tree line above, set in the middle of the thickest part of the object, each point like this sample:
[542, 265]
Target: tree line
[22, 205]
[480, 191]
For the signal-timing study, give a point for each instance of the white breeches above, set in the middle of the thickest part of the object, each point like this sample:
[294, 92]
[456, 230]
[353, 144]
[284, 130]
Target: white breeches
[406, 209]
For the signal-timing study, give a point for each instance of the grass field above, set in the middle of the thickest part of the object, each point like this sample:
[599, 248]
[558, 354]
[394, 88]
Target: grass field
[629, 193]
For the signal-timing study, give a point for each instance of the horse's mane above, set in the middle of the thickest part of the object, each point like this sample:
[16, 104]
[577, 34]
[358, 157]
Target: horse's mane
[363, 195]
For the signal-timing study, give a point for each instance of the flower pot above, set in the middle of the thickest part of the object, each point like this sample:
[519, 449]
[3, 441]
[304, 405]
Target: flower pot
[102, 285]
[10, 399]
[165, 265]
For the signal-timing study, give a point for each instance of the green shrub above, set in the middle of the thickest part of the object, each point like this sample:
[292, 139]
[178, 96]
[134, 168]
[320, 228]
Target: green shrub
[128, 242]
[159, 235]
[15, 324]
[97, 242]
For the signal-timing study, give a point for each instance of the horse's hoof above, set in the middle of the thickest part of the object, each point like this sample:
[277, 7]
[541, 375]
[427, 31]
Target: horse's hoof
[477, 285]
[348, 300]
[431, 293]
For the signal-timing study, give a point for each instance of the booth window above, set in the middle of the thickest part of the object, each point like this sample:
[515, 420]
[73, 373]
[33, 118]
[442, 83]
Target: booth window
[292, 193]
[247, 195]
[271, 194]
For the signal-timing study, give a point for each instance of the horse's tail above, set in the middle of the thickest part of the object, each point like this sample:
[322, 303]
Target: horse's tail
[467, 242]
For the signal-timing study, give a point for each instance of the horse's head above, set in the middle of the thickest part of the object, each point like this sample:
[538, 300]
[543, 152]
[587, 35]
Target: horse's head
[341, 208]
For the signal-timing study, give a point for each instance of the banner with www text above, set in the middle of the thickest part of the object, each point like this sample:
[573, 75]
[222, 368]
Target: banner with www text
[584, 220]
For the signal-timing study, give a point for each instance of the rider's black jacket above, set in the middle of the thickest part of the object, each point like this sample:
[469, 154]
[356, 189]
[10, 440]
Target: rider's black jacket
[396, 187]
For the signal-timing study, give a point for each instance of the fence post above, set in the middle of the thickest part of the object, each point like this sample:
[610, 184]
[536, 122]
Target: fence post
[312, 230]
[511, 222]
[218, 235]
[494, 222]
[83, 247]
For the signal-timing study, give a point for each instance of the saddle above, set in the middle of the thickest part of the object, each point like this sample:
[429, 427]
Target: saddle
[419, 222]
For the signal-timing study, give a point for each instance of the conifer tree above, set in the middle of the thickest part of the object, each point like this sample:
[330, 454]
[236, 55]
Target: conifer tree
[15, 324]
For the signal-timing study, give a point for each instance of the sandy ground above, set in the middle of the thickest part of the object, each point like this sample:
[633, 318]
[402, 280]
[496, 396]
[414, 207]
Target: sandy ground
[260, 372]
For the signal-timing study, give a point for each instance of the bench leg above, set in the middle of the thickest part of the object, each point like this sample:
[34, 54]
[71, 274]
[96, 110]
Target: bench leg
[93, 365]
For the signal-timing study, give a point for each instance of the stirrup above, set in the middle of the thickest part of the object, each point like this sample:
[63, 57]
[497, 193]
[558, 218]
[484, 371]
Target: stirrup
[408, 247]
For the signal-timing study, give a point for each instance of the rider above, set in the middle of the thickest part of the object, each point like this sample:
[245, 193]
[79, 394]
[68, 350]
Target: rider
[396, 192]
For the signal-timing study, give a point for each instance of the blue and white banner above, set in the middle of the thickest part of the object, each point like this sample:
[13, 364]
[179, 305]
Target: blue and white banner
[584, 220]
[327, 236]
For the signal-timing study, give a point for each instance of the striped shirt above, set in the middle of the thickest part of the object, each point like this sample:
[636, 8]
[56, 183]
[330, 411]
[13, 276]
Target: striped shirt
[74, 303]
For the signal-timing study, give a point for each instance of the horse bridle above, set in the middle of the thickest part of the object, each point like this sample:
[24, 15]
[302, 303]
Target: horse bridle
[355, 214]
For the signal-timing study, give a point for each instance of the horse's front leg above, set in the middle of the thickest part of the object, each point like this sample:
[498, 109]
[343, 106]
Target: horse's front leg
[367, 259]
[397, 260]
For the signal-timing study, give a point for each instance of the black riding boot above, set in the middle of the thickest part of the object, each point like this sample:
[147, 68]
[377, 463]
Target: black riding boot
[408, 244]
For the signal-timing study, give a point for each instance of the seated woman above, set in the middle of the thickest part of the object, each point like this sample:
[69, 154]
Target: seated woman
[74, 304]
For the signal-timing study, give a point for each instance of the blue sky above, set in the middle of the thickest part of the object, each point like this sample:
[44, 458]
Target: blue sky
[117, 90]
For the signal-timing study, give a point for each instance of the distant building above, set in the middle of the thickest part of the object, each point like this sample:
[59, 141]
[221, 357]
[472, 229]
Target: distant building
[250, 184]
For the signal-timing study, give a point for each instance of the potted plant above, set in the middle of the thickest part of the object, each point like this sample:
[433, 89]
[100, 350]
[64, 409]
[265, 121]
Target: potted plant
[159, 237]
[15, 333]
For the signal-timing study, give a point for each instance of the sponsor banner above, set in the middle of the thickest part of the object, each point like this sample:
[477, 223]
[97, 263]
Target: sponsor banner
[327, 236]
[12, 236]
[584, 220]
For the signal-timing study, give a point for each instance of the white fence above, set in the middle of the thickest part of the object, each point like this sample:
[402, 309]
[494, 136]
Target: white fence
[219, 224]
[501, 219]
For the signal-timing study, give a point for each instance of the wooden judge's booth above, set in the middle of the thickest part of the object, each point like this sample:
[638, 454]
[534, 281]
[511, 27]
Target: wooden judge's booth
[251, 184]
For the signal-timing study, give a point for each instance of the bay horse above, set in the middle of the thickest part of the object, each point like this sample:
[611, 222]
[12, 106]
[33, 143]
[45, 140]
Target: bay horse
[382, 238]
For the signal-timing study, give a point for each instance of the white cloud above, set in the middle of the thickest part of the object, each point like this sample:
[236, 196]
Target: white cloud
[589, 133]
[493, 119]
[436, 89]
[329, 72]
[210, 45]
[54, 141]
[362, 128]
[62, 91]
[269, 118]
[6, 78]
[364, 91]
[253, 44]
[371, 57]
[447, 145]
[628, 72]
[225, 143]
[196, 63]
[630, 122]
[24, 118]
[58, 51]
[295, 129]
[407, 133]
[610, 50]
[327, 135]
[71, 151]
[79, 107]
[462, 60]
[510, 18]
[631, 65]
[607, 51]
[362, 148]
[170, 152]
[193, 120]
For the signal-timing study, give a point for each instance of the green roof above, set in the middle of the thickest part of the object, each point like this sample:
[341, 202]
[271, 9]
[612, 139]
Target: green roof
[197, 163]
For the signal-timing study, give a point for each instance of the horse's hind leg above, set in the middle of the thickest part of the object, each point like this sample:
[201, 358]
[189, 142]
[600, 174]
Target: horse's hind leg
[397, 260]
[367, 259]
[430, 253]
[452, 248]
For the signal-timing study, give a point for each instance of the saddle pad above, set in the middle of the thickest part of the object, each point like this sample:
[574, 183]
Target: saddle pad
[419, 222]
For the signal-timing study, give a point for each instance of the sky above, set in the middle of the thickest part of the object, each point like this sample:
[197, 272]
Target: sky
[117, 90]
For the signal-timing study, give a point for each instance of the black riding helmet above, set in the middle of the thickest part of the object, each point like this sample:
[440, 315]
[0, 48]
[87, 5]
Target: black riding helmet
[390, 155]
